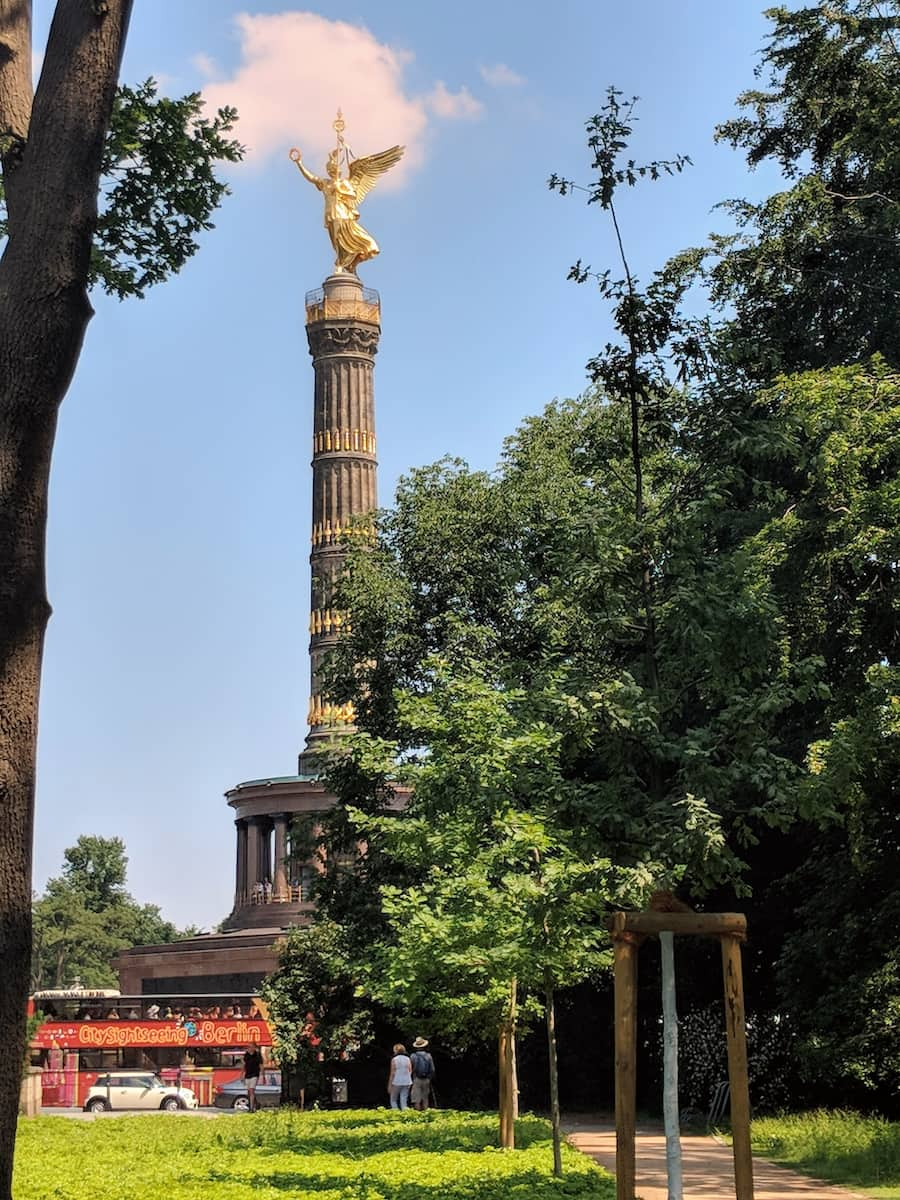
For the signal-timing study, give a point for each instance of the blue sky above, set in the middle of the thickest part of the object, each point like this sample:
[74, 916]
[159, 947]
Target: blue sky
[176, 660]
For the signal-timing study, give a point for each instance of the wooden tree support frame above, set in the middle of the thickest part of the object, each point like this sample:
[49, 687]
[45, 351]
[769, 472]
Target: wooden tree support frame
[628, 930]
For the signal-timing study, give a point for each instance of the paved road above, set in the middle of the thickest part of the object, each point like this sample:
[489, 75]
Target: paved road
[707, 1165]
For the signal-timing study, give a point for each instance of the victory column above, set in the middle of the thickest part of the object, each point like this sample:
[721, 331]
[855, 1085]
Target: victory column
[343, 324]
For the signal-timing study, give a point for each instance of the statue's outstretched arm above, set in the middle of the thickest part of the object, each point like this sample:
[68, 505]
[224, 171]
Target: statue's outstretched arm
[297, 157]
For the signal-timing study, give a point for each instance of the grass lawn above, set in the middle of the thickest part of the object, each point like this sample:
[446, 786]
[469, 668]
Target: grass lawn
[286, 1155]
[861, 1153]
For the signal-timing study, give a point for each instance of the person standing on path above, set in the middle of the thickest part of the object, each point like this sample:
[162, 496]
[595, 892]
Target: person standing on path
[399, 1077]
[422, 1074]
[252, 1065]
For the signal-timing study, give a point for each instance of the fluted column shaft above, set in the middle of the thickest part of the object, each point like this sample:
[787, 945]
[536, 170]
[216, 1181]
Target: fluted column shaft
[343, 328]
[240, 885]
[253, 877]
[265, 850]
[280, 880]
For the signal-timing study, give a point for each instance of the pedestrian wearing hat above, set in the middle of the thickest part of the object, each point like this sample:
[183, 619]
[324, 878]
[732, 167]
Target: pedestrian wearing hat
[422, 1074]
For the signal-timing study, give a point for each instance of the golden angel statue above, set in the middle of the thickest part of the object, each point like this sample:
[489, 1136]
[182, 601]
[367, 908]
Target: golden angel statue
[343, 196]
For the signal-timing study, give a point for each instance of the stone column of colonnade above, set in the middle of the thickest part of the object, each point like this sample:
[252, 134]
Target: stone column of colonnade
[241, 886]
[258, 862]
[343, 327]
[280, 880]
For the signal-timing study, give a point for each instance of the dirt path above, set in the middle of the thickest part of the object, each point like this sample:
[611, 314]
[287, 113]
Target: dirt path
[707, 1165]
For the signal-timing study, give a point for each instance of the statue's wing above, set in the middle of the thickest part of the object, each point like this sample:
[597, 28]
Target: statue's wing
[365, 172]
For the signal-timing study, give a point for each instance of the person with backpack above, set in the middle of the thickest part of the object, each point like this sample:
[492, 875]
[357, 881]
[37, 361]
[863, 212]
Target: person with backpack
[422, 1074]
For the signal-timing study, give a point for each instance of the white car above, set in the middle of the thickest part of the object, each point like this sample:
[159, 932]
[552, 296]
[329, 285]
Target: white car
[136, 1089]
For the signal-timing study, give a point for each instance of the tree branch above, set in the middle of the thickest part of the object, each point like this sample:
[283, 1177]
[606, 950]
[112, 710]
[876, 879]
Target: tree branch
[864, 196]
[15, 82]
[55, 187]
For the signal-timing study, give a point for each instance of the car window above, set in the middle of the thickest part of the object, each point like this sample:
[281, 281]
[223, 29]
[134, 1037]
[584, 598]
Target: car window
[102, 1081]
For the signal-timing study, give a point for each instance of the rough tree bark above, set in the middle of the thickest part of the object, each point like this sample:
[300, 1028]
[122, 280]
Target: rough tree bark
[506, 1056]
[51, 147]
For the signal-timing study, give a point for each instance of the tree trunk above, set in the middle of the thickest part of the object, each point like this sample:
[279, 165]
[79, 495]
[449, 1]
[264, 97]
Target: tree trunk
[514, 1076]
[670, 1068]
[506, 1055]
[51, 171]
[554, 1073]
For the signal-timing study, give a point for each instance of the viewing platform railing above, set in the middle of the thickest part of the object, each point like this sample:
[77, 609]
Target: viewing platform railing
[291, 895]
[367, 308]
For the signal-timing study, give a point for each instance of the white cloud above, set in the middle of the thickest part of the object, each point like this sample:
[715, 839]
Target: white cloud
[205, 66]
[461, 104]
[500, 75]
[298, 68]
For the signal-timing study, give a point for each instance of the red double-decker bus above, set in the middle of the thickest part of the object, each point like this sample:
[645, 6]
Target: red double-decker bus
[196, 1041]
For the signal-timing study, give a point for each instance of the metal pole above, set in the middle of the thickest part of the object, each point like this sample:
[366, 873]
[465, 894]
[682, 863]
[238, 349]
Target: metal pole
[670, 1068]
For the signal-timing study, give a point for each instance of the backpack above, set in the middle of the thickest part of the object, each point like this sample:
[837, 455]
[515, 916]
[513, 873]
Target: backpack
[422, 1065]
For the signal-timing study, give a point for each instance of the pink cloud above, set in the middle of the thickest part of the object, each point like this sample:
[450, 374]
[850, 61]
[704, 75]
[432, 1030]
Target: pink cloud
[453, 104]
[298, 68]
[500, 75]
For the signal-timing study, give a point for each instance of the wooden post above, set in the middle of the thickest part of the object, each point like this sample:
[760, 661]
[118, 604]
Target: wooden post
[626, 949]
[737, 1067]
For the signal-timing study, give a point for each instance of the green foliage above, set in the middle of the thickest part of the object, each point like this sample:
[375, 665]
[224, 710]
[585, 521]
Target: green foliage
[501, 892]
[158, 186]
[838, 1146]
[827, 555]
[703, 1059]
[666, 628]
[341, 1156]
[545, 606]
[86, 916]
[312, 1000]
[813, 273]
[94, 868]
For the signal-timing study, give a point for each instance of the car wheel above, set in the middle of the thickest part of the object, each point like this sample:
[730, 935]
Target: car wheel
[241, 1104]
[171, 1104]
[96, 1105]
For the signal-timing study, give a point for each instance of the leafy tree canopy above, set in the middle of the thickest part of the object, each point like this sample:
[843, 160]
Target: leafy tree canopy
[86, 917]
[312, 997]
[813, 272]
[159, 188]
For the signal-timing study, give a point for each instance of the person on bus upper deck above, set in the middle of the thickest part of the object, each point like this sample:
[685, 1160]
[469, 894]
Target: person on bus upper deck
[153, 1012]
[112, 1015]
